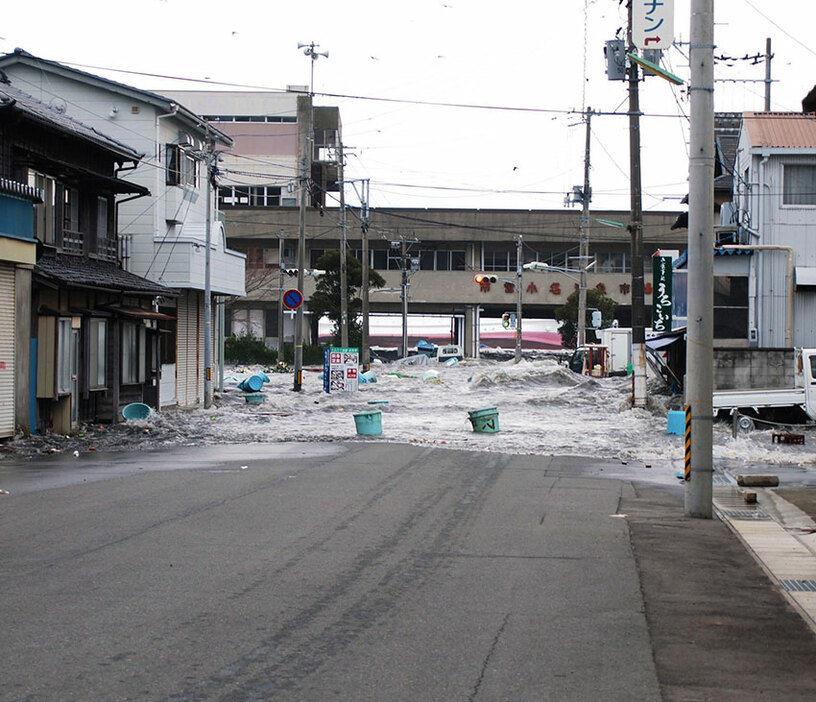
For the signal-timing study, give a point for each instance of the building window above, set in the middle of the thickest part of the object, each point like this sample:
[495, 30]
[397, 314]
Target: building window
[799, 185]
[496, 260]
[64, 356]
[430, 260]
[730, 307]
[97, 366]
[247, 322]
[182, 167]
[133, 353]
[45, 214]
[250, 196]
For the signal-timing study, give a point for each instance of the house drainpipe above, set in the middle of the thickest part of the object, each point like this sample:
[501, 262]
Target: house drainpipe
[791, 285]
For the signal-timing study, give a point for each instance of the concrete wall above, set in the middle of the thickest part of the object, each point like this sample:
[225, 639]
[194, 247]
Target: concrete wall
[740, 369]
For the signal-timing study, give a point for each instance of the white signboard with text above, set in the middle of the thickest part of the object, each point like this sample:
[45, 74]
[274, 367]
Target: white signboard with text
[652, 23]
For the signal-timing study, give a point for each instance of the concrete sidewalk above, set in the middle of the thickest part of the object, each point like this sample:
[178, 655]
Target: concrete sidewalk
[780, 532]
[723, 626]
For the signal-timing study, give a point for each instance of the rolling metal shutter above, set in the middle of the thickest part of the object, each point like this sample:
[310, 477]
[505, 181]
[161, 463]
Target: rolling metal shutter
[189, 388]
[7, 357]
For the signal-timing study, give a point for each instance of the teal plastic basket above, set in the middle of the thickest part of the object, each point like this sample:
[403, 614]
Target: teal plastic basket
[136, 410]
[368, 423]
[485, 420]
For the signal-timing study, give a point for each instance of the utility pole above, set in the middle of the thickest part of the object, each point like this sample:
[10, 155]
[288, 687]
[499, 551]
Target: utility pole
[583, 241]
[280, 296]
[404, 258]
[305, 115]
[636, 231]
[210, 163]
[768, 57]
[518, 297]
[304, 142]
[365, 354]
[700, 328]
[344, 336]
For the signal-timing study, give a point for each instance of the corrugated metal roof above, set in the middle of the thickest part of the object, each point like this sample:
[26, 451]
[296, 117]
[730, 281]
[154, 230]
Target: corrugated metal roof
[782, 130]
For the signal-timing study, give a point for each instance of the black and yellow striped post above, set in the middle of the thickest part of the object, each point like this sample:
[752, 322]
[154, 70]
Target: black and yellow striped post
[688, 444]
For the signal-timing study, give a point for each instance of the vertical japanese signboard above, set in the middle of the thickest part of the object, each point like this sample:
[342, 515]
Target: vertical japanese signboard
[340, 369]
[662, 294]
[652, 24]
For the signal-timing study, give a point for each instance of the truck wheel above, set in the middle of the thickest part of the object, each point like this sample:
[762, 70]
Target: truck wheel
[745, 424]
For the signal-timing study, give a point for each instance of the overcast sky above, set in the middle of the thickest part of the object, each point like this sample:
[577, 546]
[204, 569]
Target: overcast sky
[545, 56]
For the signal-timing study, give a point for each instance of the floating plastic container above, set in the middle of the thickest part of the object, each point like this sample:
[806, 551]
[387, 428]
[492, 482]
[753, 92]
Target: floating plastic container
[485, 420]
[431, 376]
[368, 377]
[676, 423]
[251, 384]
[368, 423]
[255, 397]
[425, 348]
[136, 410]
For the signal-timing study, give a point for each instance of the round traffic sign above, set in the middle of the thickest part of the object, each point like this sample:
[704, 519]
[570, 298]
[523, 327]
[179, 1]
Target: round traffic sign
[292, 299]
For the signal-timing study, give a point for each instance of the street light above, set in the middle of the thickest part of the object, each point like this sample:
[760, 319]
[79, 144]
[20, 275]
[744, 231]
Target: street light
[541, 267]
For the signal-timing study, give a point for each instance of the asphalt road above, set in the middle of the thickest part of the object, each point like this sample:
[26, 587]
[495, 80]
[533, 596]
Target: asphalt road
[370, 571]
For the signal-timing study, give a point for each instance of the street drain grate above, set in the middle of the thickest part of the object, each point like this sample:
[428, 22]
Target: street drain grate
[799, 585]
[755, 514]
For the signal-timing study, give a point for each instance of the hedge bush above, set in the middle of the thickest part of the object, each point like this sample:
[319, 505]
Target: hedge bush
[247, 349]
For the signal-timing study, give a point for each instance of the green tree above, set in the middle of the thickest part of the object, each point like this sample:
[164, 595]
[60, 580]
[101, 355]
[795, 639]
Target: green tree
[568, 314]
[326, 298]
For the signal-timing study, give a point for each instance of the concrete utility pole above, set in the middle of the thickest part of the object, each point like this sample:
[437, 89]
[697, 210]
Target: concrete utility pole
[636, 230]
[583, 241]
[768, 57]
[344, 336]
[304, 110]
[365, 353]
[280, 296]
[403, 258]
[519, 291]
[305, 115]
[700, 329]
[210, 164]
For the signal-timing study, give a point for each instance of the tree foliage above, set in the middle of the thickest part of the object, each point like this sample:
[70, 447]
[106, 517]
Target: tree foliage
[568, 314]
[326, 298]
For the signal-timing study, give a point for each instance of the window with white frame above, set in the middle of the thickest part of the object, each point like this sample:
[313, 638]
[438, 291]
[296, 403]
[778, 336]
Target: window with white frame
[799, 184]
[133, 353]
[251, 196]
[248, 322]
[97, 358]
[181, 166]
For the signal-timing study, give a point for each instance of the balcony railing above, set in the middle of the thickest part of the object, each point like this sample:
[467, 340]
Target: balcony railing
[73, 242]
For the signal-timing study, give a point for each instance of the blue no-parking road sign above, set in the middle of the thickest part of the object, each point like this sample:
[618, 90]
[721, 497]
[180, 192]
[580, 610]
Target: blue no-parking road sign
[293, 299]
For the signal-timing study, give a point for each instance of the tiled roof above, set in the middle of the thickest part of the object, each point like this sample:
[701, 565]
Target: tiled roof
[13, 99]
[194, 122]
[784, 130]
[79, 272]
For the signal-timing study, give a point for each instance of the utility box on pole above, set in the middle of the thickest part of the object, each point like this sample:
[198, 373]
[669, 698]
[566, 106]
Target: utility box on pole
[615, 52]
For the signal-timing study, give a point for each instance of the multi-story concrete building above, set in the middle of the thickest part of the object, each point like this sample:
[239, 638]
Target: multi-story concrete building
[445, 249]
[258, 181]
[164, 235]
